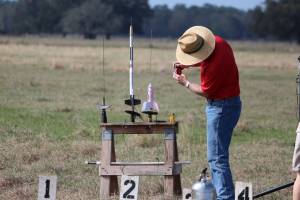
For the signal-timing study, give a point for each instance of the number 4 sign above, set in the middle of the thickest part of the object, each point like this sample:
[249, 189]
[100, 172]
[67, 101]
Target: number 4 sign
[243, 191]
[129, 187]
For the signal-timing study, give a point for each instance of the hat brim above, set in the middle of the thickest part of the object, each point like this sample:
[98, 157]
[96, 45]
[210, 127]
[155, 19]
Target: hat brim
[203, 53]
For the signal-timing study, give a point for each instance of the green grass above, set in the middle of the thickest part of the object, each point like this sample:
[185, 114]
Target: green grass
[49, 123]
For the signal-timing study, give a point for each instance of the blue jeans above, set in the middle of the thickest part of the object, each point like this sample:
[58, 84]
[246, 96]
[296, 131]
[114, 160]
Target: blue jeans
[222, 116]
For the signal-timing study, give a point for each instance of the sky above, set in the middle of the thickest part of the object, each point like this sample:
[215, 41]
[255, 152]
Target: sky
[241, 4]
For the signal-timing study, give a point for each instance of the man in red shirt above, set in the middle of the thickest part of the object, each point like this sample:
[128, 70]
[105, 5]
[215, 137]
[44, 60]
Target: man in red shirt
[219, 84]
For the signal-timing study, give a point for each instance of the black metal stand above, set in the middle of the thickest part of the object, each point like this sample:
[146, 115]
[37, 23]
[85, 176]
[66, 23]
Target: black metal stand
[103, 108]
[132, 102]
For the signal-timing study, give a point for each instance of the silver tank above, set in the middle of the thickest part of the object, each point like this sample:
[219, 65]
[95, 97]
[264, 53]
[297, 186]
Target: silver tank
[203, 189]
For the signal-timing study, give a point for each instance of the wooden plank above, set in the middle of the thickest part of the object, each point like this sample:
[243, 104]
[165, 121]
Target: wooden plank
[141, 170]
[184, 162]
[139, 128]
[168, 187]
[104, 187]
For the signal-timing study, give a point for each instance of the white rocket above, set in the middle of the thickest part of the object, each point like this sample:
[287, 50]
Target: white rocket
[132, 101]
[131, 92]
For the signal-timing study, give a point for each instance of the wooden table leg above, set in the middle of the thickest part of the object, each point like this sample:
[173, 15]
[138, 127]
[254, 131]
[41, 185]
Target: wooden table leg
[172, 185]
[108, 184]
[114, 188]
[177, 179]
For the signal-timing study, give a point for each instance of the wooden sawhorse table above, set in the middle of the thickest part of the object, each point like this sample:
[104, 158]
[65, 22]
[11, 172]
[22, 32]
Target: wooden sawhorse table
[109, 169]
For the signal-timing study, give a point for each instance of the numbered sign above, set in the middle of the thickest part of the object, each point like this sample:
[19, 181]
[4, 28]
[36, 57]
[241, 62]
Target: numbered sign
[47, 187]
[129, 187]
[186, 194]
[243, 191]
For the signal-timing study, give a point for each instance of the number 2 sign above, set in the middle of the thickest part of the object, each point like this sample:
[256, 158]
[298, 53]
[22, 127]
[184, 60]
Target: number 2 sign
[187, 194]
[129, 187]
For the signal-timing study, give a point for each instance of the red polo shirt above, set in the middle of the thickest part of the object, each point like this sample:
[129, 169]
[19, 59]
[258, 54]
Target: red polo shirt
[219, 73]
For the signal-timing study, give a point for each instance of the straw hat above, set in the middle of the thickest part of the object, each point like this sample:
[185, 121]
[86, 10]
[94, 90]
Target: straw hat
[195, 45]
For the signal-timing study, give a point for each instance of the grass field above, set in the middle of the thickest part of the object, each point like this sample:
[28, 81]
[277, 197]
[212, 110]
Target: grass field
[49, 88]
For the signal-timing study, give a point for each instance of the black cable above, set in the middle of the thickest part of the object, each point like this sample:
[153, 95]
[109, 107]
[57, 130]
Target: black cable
[275, 189]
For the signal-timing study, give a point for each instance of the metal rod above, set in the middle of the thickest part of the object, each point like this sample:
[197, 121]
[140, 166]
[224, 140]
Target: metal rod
[93, 162]
[150, 62]
[298, 90]
[103, 115]
[103, 71]
[275, 189]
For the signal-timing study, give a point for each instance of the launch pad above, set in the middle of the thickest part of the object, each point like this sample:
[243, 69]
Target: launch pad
[109, 168]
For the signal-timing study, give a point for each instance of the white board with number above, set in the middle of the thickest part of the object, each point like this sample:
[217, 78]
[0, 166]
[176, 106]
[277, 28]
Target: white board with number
[129, 187]
[243, 191]
[47, 187]
[186, 194]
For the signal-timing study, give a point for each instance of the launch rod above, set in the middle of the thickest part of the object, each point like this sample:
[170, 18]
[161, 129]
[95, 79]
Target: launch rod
[131, 92]
[150, 61]
[103, 71]
[103, 106]
[104, 116]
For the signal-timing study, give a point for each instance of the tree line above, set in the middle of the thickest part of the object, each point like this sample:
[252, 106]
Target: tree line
[274, 19]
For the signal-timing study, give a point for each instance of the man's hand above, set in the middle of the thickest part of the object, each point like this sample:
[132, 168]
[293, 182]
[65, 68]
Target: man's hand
[181, 79]
[178, 64]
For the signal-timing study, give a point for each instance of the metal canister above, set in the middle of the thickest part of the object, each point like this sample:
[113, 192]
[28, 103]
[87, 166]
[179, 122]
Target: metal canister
[203, 189]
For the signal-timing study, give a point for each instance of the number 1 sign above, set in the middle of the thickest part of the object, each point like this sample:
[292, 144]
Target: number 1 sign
[129, 187]
[47, 187]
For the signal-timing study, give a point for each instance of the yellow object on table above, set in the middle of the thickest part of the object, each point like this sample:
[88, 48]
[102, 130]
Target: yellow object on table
[172, 118]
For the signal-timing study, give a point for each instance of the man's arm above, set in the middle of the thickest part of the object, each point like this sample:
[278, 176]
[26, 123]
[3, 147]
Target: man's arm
[195, 88]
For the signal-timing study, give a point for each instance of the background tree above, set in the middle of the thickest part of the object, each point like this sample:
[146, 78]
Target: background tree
[138, 11]
[160, 21]
[57, 11]
[228, 22]
[7, 11]
[92, 18]
[26, 16]
[40, 16]
[278, 19]
[179, 20]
